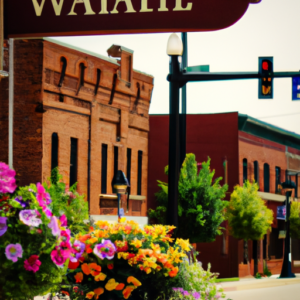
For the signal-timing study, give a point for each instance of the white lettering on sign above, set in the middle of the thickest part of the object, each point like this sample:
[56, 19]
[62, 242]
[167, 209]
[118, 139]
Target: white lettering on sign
[129, 6]
[58, 4]
[87, 4]
[144, 6]
[179, 7]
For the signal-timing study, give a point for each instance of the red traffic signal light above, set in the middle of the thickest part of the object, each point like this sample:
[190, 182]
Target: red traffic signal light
[265, 85]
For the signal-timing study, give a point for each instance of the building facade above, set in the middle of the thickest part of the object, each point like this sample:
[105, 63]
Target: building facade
[80, 111]
[240, 148]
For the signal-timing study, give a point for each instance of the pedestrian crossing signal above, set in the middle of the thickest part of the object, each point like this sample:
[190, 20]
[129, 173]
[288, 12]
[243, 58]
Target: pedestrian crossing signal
[265, 83]
[296, 88]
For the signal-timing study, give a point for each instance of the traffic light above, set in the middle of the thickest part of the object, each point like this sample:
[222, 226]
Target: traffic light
[265, 83]
[296, 88]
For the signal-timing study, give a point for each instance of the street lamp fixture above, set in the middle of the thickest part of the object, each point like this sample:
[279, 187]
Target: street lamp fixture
[174, 46]
[119, 186]
[286, 271]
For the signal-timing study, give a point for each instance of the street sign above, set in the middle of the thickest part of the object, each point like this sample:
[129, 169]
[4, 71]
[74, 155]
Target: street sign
[203, 68]
[41, 18]
[296, 88]
[281, 212]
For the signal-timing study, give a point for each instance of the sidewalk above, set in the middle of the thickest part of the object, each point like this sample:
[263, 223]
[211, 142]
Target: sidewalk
[263, 289]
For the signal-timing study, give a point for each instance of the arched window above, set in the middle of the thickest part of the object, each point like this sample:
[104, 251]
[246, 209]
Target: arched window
[266, 178]
[256, 172]
[63, 64]
[82, 68]
[97, 81]
[54, 151]
[245, 169]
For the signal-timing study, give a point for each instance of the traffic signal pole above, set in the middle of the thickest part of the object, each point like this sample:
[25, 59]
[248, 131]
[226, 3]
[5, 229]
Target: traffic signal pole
[182, 78]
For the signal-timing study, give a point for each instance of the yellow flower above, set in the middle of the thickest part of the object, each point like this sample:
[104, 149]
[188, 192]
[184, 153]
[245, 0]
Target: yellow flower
[122, 220]
[136, 243]
[100, 277]
[111, 284]
[133, 280]
[184, 244]
[90, 295]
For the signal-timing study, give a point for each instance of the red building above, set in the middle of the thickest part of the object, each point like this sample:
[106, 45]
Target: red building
[253, 150]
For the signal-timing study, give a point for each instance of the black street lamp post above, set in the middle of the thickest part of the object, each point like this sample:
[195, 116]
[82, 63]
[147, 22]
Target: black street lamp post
[286, 271]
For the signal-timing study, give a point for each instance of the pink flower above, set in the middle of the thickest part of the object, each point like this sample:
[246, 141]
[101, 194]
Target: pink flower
[7, 179]
[54, 226]
[65, 235]
[57, 258]
[32, 263]
[43, 199]
[63, 221]
[13, 251]
[105, 250]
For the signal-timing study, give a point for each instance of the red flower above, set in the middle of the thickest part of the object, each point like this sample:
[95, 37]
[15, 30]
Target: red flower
[73, 265]
[110, 266]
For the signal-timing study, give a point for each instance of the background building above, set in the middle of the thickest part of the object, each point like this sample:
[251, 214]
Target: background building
[240, 148]
[80, 111]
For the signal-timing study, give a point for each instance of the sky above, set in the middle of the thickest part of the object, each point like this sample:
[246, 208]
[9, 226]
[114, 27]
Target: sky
[270, 28]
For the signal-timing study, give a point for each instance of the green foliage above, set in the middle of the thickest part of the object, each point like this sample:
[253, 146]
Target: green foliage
[295, 220]
[200, 205]
[193, 278]
[70, 203]
[257, 275]
[267, 272]
[248, 217]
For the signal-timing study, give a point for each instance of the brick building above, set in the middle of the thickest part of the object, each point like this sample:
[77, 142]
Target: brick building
[250, 149]
[80, 111]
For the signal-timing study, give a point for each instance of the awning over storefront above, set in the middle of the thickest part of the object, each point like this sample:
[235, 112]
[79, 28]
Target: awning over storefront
[271, 197]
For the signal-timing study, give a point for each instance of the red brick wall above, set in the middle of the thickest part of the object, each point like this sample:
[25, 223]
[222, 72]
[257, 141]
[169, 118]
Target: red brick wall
[4, 82]
[27, 138]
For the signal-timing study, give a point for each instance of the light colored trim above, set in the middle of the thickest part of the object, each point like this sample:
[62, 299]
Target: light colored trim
[142, 221]
[137, 197]
[271, 197]
[115, 197]
[11, 103]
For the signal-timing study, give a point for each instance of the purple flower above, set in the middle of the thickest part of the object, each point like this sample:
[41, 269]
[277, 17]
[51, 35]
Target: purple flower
[54, 226]
[7, 179]
[24, 204]
[30, 217]
[13, 251]
[196, 295]
[105, 250]
[3, 225]
[185, 293]
[78, 249]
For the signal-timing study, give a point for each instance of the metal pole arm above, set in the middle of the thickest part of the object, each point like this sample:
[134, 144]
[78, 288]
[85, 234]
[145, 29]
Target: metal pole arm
[182, 78]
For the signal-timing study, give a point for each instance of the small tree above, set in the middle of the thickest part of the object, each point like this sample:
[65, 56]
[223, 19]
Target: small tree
[295, 220]
[248, 217]
[200, 205]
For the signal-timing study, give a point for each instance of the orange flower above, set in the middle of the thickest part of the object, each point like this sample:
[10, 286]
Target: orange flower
[98, 292]
[85, 268]
[90, 295]
[120, 287]
[133, 280]
[146, 252]
[78, 277]
[173, 272]
[84, 238]
[128, 290]
[65, 292]
[88, 248]
[94, 269]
